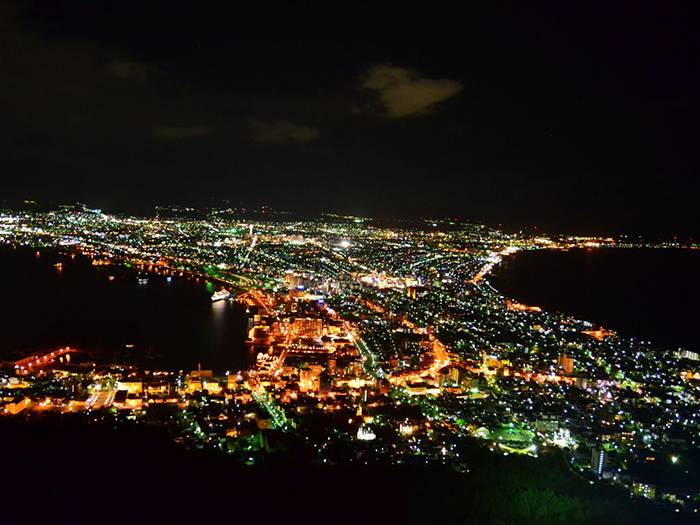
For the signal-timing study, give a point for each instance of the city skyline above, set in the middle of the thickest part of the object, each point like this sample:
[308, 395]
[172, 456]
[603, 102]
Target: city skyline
[362, 345]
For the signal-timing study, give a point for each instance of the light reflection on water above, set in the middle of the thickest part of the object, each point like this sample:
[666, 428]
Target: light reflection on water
[173, 324]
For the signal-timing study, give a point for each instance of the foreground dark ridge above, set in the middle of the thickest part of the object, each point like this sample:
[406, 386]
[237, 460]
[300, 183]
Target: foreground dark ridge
[93, 472]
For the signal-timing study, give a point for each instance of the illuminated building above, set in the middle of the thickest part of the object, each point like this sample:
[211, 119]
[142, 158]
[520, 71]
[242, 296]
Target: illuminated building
[449, 376]
[420, 388]
[599, 460]
[133, 402]
[307, 327]
[16, 407]
[197, 379]
[688, 354]
[213, 387]
[644, 489]
[309, 377]
[547, 424]
[331, 365]
[407, 428]
[364, 433]
[233, 381]
[566, 363]
[599, 335]
[194, 384]
[133, 387]
[157, 388]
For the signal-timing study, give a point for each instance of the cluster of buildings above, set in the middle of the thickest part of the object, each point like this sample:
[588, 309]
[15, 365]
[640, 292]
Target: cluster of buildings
[376, 344]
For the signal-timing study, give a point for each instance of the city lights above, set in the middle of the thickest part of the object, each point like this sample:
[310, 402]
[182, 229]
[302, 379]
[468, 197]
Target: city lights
[364, 334]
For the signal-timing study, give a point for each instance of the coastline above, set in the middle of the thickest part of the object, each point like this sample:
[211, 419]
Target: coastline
[586, 291]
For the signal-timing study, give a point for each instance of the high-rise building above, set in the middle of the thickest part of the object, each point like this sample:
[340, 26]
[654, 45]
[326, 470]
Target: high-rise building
[566, 363]
[309, 377]
[599, 461]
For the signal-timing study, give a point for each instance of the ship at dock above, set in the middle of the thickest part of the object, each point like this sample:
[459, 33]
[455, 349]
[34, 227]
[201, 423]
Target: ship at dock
[220, 295]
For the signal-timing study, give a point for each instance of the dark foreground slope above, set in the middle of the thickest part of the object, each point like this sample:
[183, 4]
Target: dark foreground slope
[58, 471]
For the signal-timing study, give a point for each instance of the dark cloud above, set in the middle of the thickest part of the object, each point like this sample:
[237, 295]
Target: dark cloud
[404, 92]
[180, 132]
[281, 132]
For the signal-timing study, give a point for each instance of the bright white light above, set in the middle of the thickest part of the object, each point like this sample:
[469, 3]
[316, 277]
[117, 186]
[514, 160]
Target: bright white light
[365, 434]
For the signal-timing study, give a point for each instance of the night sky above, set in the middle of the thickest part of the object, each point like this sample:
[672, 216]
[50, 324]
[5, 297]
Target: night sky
[575, 117]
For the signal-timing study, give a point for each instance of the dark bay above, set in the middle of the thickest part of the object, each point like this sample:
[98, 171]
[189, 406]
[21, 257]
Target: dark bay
[161, 324]
[649, 294]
